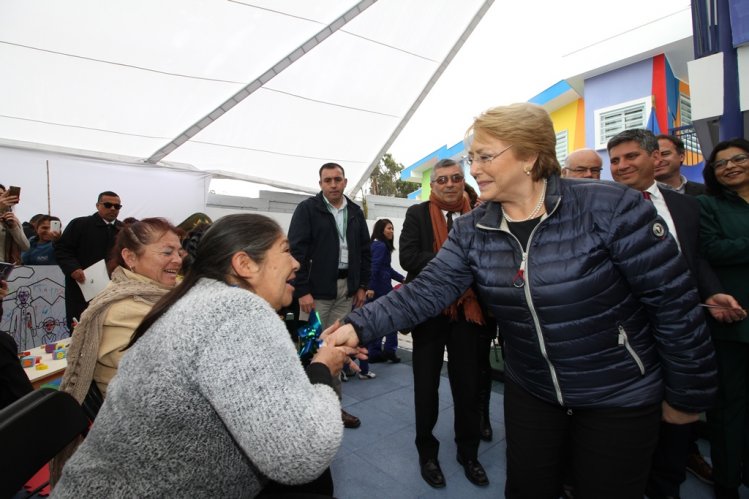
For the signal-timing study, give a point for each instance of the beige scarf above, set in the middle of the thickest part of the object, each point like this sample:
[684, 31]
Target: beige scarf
[84, 347]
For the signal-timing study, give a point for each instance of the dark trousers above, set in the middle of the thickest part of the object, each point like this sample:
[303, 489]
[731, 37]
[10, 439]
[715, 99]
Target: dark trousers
[728, 423]
[610, 448]
[429, 341]
[668, 470]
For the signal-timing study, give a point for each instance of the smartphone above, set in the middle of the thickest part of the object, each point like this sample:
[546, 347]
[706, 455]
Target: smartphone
[55, 225]
[14, 190]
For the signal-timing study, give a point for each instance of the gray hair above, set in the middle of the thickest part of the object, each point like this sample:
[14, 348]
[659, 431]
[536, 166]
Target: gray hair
[644, 138]
[443, 163]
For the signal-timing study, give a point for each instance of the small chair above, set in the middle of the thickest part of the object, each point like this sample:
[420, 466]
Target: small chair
[33, 430]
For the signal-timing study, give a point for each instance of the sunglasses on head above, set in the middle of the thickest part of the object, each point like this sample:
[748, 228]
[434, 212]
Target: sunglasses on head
[109, 206]
[456, 178]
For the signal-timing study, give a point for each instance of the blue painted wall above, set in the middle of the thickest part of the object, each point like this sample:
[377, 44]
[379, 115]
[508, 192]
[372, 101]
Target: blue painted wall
[616, 87]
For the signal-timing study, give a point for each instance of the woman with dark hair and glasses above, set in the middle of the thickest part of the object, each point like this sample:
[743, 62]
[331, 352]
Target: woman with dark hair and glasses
[380, 284]
[600, 317]
[724, 235]
[197, 408]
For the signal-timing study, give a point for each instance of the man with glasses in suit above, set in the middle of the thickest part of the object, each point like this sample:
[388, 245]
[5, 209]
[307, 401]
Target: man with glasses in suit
[425, 229]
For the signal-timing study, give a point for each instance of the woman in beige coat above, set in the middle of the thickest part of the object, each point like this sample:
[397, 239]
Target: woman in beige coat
[146, 258]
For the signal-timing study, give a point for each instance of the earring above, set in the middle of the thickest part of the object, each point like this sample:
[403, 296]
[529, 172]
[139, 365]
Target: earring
[527, 169]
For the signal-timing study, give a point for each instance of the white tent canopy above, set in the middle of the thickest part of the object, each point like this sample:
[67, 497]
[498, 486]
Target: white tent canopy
[260, 90]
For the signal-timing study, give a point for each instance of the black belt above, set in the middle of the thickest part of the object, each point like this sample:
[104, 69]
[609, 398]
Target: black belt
[342, 273]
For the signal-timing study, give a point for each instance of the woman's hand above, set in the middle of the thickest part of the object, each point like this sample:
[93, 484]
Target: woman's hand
[7, 201]
[725, 308]
[675, 416]
[333, 357]
[9, 220]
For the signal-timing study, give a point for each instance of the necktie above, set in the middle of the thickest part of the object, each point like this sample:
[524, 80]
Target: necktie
[449, 220]
[646, 195]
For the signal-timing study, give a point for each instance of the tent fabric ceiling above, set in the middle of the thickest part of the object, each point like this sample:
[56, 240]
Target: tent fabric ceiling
[126, 78]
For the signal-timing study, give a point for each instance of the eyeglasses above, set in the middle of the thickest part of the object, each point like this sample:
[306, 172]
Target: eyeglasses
[584, 169]
[168, 253]
[109, 206]
[456, 179]
[738, 160]
[485, 158]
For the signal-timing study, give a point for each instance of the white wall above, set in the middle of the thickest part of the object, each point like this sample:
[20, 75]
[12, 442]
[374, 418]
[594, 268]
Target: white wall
[74, 184]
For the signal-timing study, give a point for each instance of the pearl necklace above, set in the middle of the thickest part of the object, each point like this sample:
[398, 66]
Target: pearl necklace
[535, 211]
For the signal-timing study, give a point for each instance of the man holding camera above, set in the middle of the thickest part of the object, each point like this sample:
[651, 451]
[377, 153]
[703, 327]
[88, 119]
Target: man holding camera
[85, 241]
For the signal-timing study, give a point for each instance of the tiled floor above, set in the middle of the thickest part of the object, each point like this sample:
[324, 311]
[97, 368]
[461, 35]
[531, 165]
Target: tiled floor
[379, 459]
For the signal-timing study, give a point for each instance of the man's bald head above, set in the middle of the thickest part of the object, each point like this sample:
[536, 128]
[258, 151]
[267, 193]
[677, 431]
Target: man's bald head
[583, 163]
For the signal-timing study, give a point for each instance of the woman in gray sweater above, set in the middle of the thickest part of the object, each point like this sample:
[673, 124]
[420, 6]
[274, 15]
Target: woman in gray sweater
[198, 408]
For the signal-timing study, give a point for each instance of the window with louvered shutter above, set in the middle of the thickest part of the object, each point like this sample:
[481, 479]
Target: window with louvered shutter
[627, 116]
[562, 146]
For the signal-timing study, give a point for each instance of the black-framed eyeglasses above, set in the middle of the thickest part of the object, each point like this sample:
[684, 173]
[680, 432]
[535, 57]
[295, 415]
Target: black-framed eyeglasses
[738, 160]
[485, 158]
[109, 206]
[456, 178]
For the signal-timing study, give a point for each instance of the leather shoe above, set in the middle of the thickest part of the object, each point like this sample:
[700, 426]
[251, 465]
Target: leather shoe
[697, 465]
[474, 471]
[485, 429]
[432, 473]
[349, 420]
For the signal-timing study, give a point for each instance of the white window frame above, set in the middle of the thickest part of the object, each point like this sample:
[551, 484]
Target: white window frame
[646, 103]
[685, 101]
[562, 141]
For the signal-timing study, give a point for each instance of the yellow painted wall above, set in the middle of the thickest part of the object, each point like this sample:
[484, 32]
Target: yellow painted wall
[568, 118]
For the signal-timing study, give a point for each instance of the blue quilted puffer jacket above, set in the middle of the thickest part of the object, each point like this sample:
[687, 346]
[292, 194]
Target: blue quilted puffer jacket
[599, 312]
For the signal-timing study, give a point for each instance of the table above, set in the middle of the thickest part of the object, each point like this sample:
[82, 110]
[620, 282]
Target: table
[55, 368]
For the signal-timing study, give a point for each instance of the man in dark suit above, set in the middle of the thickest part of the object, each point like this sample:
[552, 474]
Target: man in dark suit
[85, 241]
[420, 239]
[668, 168]
[634, 155]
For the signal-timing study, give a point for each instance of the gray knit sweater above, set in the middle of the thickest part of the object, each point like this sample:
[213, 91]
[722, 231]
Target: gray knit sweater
[210, 401]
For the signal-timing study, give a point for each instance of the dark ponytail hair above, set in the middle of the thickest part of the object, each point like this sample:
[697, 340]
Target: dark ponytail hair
[250, 233]
[378, 233]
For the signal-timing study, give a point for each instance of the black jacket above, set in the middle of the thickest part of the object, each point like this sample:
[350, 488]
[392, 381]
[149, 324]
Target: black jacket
[313, 237]
[416, 244]
[685, 212]
[599, 312]
[85, 241]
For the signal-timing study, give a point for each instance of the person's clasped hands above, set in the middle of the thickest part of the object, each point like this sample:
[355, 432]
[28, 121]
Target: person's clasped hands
[344, 336]
[9, 219]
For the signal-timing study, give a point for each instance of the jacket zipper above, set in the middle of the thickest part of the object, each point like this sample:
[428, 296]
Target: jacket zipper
[624, 340]
[521, 280]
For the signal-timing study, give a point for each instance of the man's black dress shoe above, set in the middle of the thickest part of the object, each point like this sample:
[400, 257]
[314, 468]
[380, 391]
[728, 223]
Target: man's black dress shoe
[474, 471]
[432, 473]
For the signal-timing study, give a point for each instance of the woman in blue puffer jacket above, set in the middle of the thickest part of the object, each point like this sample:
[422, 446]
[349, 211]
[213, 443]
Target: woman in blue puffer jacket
[602, 328]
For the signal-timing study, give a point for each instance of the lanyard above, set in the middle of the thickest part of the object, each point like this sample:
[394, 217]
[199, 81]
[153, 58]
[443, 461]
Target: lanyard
[333, 211]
